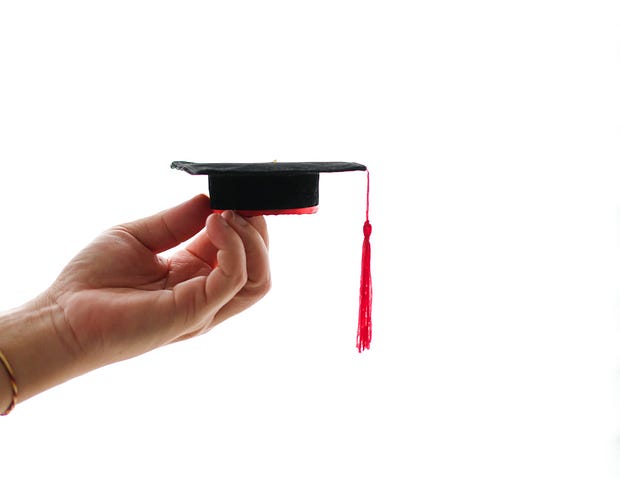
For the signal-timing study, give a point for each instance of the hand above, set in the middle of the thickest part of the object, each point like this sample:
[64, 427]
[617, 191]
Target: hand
[118, 298]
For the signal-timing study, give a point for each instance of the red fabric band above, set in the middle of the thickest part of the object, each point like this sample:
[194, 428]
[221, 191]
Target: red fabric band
[287, 211]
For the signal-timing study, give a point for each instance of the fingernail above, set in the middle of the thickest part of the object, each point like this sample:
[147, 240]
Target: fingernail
[224, 218]
[235, 218]
[239, 220]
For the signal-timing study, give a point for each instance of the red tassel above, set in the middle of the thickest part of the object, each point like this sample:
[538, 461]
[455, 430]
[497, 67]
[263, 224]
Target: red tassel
[364, 325]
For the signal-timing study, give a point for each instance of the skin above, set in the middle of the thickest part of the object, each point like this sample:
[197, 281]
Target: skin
[118, 298]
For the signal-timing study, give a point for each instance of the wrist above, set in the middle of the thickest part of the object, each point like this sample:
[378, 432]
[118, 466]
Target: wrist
[8, 400]
[31, 341]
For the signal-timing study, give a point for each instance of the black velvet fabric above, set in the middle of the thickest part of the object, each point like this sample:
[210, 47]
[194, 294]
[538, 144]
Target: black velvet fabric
[263, 192]
[265, 168]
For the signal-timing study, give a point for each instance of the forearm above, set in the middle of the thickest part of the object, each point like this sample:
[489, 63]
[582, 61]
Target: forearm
[31, 343]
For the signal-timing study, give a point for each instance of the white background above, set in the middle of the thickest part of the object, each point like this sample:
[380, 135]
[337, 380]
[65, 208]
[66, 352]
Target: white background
[491, 130]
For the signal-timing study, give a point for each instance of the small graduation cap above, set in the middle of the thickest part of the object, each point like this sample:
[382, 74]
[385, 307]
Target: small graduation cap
[278, 188]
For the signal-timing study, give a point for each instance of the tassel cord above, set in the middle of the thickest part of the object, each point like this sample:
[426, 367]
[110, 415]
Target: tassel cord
[364, 326]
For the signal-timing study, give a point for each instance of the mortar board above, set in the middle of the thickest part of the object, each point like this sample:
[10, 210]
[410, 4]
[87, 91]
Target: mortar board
[271, 188]
[276, 188]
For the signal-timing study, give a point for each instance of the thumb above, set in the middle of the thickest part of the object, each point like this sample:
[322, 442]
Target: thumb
[167, 229]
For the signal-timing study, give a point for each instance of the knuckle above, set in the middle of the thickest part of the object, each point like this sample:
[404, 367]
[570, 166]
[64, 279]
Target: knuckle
[242, 278]
[237, 278]
[266, 287]
[260, 288]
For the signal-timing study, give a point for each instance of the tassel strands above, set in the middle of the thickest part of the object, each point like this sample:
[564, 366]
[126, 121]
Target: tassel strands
[364, 325]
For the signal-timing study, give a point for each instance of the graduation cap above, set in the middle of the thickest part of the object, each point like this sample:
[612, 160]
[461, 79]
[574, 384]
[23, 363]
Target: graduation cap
[277, 188]
[272, 188]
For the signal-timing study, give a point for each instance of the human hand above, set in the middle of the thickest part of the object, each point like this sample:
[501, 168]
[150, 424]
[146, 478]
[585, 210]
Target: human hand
[118, 298]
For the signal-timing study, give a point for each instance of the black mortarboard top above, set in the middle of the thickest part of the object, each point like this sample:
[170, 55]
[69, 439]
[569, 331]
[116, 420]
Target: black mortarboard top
[275, 188]
[269, 188]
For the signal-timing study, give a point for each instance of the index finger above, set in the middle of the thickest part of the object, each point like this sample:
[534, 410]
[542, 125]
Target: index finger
[167, 229]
